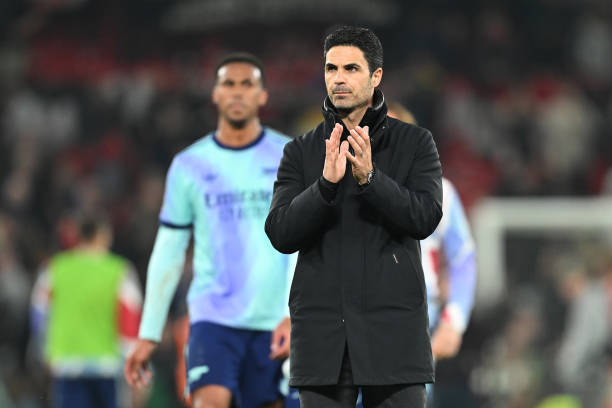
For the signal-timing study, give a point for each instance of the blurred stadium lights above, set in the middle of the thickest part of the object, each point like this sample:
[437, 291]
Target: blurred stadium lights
[198, 15]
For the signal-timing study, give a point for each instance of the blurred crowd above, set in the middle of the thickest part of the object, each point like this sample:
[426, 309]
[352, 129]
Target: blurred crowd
[96, 98]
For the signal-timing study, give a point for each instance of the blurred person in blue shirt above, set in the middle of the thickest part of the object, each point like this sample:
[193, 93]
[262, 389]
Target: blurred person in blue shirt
[220, 188]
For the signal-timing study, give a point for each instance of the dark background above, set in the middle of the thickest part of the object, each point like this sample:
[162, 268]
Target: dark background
[97, 96]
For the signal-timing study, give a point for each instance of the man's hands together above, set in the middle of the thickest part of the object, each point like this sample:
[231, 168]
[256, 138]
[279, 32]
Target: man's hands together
[361, 162]
[336, 154]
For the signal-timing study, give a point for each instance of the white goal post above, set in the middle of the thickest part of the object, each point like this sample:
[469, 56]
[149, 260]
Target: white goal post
[494, 217]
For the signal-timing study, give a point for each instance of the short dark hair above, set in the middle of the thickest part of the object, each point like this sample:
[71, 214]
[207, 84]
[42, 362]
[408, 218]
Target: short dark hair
[242, 57]
[360, 37]
[91, 224]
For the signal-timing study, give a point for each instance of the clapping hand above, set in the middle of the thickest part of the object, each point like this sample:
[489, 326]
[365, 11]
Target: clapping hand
[335, 156]
[362, 160]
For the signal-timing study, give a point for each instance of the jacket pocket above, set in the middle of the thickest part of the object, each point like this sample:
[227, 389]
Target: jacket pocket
[404, 278]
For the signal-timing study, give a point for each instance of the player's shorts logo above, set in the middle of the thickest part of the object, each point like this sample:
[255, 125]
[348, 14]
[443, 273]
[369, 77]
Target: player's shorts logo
[197, 372]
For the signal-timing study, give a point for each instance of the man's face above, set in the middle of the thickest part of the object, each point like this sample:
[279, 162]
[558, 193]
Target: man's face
[239, 93]
[347, 78]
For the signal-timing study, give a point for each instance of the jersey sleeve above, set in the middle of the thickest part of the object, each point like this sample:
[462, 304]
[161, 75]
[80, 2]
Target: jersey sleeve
[163, 275]
[177, 211]
[458, 248]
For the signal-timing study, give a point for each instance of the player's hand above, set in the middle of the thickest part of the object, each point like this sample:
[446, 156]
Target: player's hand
[362, 160]
[445, 342]
[335, 156]
[281, 339]
[136, 371]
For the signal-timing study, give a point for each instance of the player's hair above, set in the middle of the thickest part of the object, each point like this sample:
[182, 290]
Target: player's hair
[401, 112]
[242, 57]
[91, 224]
[360, 37]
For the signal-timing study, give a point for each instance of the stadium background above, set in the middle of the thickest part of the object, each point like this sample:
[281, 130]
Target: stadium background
[97, 96]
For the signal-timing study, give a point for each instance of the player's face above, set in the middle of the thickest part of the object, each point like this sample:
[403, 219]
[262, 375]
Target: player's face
[347, 77]
[239, 93]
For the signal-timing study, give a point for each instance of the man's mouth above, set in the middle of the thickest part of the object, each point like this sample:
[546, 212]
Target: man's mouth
[341, 91]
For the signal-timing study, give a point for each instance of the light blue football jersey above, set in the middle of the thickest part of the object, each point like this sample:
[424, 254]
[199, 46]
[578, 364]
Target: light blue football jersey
[224, 194]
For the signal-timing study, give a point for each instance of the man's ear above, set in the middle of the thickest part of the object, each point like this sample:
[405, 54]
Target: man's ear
[263, 97]
[377, 77]
[215, 96]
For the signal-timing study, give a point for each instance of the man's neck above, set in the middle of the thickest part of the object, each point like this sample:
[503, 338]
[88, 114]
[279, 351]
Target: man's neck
[354, 118]
[232, 137]
[93, 247]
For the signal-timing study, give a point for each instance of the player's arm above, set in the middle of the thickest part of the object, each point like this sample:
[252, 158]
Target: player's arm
[164, 271]
[298, 212]
[163, 275]
[40, 307]
[458, 248]
[281, 336]
[130, 307]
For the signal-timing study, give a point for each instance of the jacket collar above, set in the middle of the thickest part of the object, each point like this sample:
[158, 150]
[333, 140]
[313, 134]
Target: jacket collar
[375, 117]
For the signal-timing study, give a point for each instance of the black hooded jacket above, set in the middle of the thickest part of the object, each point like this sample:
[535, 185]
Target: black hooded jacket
[358, 280]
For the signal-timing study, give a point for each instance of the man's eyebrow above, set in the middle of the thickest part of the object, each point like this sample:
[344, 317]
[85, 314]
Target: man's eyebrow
[330, 65]
[352, 65]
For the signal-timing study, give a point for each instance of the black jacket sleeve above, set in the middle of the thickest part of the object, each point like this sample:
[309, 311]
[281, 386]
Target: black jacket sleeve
[415, 208]
[298, 212]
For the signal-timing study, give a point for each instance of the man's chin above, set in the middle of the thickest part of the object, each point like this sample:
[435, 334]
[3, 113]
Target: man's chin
[341, 102]
[343, 108]
[237, 123]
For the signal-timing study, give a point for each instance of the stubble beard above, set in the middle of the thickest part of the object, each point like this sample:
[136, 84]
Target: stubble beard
[343, 112]
[237, 123]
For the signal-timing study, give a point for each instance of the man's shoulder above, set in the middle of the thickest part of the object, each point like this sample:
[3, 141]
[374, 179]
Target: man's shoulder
[408, 131]
[306, 142]
[119, 260]
[276, 137]
[194, 154]
[196, 148]
[314, 135]
[60, 257]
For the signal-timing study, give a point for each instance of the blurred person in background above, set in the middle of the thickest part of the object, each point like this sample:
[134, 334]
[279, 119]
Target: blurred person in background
[449, 265]
[14, 307]
[512, 369]
[358, 302]
[583, 359]
[221, 187]
[86, 308]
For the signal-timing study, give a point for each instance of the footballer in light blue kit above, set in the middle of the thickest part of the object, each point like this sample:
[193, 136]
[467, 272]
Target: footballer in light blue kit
[220, 188]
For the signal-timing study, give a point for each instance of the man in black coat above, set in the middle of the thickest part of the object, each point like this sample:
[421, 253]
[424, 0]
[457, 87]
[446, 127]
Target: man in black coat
[354, 196]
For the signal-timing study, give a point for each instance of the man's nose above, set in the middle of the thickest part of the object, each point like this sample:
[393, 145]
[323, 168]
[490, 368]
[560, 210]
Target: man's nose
[237, 93]
[339, 77]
